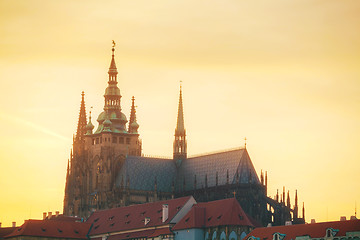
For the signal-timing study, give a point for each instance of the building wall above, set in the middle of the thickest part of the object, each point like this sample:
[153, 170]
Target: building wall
[189, 234]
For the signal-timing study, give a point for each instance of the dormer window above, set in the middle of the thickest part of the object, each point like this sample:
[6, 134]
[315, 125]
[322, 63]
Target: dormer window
[278, 236]
[330, 232]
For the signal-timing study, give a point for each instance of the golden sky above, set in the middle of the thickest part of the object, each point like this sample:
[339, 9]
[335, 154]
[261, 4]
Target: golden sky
[284, 74]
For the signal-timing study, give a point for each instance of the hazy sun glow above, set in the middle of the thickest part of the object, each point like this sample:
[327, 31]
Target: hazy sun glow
[284, 74]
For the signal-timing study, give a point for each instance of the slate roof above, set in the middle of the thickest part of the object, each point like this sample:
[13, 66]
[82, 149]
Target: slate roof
[132, 217]
[234, 161]
[314, 230]
[141, 172]
[52, 229]
[223, 212]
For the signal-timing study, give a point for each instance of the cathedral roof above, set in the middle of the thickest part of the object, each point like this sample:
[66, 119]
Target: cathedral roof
[232, 163]
[235, 163]
[150, 169]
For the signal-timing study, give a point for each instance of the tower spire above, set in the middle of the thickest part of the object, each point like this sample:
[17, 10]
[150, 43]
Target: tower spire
[133, 125]
[112, 92]
[180, 145]
[81, 128]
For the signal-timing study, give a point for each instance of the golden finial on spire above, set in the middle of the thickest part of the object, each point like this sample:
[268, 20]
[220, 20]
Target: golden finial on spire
[245, 141]
[90, 112]
[113, 42]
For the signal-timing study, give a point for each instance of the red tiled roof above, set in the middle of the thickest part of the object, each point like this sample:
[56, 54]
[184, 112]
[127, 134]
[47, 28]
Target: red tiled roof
[315, 230]
[215, 213]
[6, 231]
[58, 229]
[132, 217]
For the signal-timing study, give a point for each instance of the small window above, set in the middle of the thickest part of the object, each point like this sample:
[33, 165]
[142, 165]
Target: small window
[97, 140]
[240, 217]
[121, 140]
[127, 215]
[111, 225]
[43, 229]
[76, 231]
[60, 231]
[105, 139]
[186, 220]
[127, 222]
[143, 213]
[111, 218]
[93, 141]
[114, 140]
[96, 227]
[219, 217]
[209, 218]
[127, 140]
[97, 219]
[101, 140]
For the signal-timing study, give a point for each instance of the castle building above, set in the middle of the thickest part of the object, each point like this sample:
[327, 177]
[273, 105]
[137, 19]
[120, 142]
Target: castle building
[106, 168]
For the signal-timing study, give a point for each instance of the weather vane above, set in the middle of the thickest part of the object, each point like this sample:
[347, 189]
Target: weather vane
[113, 42]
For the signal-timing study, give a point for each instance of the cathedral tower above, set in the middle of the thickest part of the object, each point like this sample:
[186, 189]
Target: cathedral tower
[98, 156]
[179, 152]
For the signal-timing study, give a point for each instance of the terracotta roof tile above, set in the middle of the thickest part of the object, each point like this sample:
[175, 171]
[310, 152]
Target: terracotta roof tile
[215, 213]
[316, 230]
[58, 229]
[133, 217]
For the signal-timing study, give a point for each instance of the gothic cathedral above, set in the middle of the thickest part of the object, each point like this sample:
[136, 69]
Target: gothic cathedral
[107, 169]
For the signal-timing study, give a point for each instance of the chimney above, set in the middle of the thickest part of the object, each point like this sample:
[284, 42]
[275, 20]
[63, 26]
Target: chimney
[13, 224]
[313, 221]
[351, 218]
[49, 215]
[165, 212]
[342, 218]
[147, 220]
[288, 223]
[44, 215]
[57, 213]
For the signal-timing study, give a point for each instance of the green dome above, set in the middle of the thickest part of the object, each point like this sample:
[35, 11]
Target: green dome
[89, 126]
[112, 90]
[134, 125]
[107, 123]
[117, 116]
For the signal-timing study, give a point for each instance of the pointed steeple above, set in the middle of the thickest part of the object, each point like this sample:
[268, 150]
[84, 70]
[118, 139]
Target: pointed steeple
[303, 211]
[133, 125]
[288, 199]
[180, 152]
[296, 206]
[180, 128]
[112, 92]
[81, 128]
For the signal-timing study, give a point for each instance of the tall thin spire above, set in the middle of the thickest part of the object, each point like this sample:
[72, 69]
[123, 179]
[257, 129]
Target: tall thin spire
[179, 151]
[180, 128]
[133, 125]
[81, 128]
